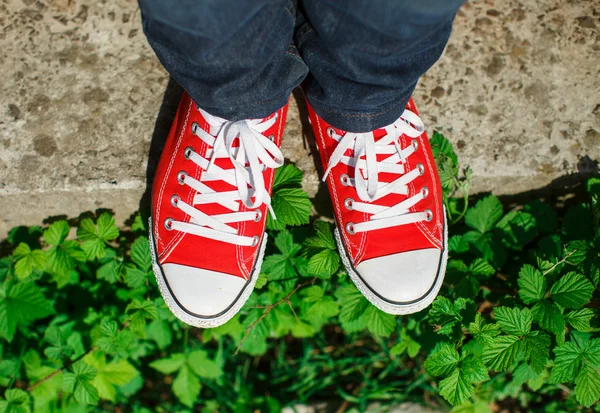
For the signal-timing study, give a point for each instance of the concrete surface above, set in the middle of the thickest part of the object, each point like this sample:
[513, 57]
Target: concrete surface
[517, 92]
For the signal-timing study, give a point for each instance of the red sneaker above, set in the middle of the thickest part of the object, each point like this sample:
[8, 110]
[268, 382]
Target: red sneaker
[387, 198]
[210, 200]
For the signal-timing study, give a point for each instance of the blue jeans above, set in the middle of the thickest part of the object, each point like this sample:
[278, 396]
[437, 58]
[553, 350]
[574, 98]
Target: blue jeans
[360, 60]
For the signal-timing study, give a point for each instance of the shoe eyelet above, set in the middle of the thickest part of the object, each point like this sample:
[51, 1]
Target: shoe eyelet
[415, 144]
[258, 216]
[348, 203]
[345, 179]
[255, 240]
[350, 228]
[195, 127]
[428, 215]
[175, 200]
[330, 132]
[188, 152]
[272, 138]
[421, 169]
[169, 224]
[425, 192]
[181, 175]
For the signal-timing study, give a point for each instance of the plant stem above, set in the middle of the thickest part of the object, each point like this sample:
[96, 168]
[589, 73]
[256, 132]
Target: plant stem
[268, 310]
[67, 364]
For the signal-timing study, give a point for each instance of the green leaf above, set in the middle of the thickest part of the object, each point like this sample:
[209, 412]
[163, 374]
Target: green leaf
[502, 353]
[352, 303]
[140, 254]
[484, 333]
[513, 320]
[442, 148]
[281, 266]
[170, 364]
[203, 366]
[407, 344]
[302, 330]
[79, 382]
[278, 267]
[261, 281]
[573, 290]
[447, 314]
[186, 386]
[458, 244]
[567, 363]
[379, 323]
[549, 316]
[285, 243]
[94, 237]
[160, 332]
[65, 256]
[324, 237]
[110, 375]
[456, 389]
[519, 229]
[107, 230]
[56, 233]
[109, 272]
[28, 260]
[580, 319]
[532, 284]
[134, 277]
[59, 347]
[17, 401]
[113, 341]
[443, 361]
[587, 386]
[537, 350]
[484, 215]
[473, 369]
[287, 175]
[140, 312]
[20, 304]
[324, 263]
[292, 207]
[321, 311]
[481, 268]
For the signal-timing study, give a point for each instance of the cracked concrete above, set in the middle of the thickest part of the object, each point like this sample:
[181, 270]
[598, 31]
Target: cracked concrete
[517, 92]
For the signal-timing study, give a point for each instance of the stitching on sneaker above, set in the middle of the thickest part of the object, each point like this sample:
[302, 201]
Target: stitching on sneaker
[433, 238]
[164, 183]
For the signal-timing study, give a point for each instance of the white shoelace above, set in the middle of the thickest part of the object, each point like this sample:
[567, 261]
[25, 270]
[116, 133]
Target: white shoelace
[367, 169]
[250, 158]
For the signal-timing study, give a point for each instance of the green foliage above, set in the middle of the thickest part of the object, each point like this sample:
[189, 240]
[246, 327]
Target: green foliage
[83, 327]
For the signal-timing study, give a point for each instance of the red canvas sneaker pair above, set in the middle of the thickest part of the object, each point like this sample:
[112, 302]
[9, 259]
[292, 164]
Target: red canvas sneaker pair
[211, 197]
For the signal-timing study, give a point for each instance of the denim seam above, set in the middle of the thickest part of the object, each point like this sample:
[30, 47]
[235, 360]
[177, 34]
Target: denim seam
[299, 58]
[303, 35]
[355, 115]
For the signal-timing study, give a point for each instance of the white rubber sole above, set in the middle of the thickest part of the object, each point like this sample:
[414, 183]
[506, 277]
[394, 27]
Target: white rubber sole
[188, 318]
[384, 305]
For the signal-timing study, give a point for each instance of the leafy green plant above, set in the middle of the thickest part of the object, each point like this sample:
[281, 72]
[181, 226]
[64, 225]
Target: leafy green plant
[83, 327]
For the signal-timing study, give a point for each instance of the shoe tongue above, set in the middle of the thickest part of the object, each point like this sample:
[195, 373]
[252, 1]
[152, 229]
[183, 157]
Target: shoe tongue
[378, 134]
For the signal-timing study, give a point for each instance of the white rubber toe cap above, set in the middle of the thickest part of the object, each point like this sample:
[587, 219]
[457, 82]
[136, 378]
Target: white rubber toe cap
[401, 278]
[201, 292]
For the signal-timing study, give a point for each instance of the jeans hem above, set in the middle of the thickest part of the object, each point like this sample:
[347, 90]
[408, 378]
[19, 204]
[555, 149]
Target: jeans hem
[253, 110]
[361, 121]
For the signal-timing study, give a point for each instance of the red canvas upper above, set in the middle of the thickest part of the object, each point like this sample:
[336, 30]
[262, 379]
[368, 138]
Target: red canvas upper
[177, 247]
[380, 242]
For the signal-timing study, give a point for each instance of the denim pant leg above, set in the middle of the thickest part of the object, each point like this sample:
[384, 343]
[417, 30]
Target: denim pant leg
[366, 56]
[235, 58]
